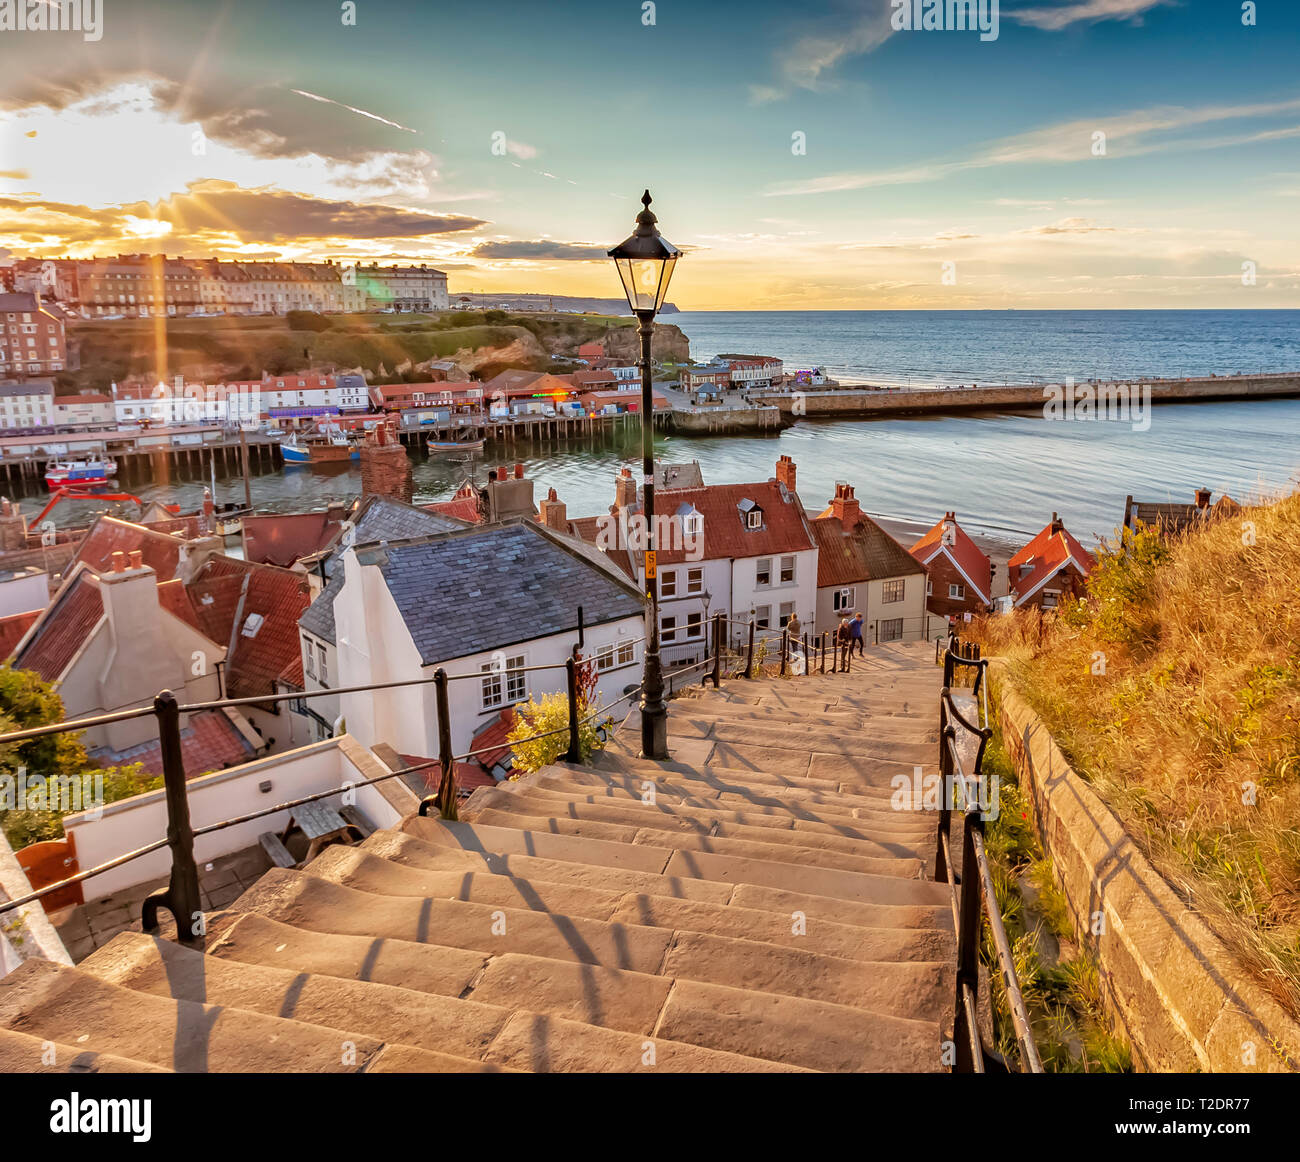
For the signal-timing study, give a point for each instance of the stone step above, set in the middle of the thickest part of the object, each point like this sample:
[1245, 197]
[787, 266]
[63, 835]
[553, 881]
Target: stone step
[73, 1006]
[683, 825]
[23, 1053]
[306, 901]
[714, 899]
[877, 859]
[357, 869]
[699, 720]
[702, 815]
[822, 881]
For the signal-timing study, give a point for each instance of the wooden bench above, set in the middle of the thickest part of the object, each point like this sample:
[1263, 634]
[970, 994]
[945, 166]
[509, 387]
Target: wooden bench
[356, 819]
[274, 847]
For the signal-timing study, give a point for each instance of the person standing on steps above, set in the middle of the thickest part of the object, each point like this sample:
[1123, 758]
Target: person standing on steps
[855, 634]
[844, 641]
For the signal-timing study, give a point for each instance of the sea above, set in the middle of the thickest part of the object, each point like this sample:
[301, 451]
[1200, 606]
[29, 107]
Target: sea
[1003, 474]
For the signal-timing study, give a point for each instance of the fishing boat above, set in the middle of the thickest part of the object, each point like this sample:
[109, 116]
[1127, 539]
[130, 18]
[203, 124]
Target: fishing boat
[321, 450]
[76, 473]
[437, 447]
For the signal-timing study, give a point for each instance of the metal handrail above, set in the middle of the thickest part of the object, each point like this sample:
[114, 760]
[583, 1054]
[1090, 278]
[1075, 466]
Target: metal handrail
[977, 902]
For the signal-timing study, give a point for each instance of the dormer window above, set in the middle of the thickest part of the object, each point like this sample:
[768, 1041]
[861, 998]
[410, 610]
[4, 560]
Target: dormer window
[754, 520]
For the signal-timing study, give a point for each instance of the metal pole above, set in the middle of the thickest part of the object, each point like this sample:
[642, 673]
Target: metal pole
[181, 897]
[968, 934]
[719, 628]
[823, 651]
[785, 648]
[446, 761]
[654, 710]
[749, 664]
[574, 753]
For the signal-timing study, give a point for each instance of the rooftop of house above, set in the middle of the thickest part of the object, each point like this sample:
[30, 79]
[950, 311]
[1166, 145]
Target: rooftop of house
[161, 550]
[253, 610]
[1044, 557]
[1171, 517]
[376, 518]
[727, 534]
[211, 740]
[56, 636]
[947, 537]
[529, 581]
[852, 549]
[285, 538]
[12, 629]
[516, 381]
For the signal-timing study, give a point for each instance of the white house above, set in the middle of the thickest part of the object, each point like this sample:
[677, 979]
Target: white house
[489, 605]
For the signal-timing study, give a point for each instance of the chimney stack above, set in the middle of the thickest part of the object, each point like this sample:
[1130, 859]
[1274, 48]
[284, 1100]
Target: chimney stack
[845, 507]
[519, 471]
[1202, 498]
[13, 527]
[624, 489]
[785, 472]
[553, 513]
[1057, 524]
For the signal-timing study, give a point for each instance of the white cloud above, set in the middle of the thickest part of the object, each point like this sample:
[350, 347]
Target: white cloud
[1089, 11]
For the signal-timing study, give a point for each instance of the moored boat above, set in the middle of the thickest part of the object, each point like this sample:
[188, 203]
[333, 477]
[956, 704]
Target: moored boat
[438, 446]
[75, 473]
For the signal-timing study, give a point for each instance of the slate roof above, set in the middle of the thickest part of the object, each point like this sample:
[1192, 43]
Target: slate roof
[864, 553]
[482, 589]
[379, 518]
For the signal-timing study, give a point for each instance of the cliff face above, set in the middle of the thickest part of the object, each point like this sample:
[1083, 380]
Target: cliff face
[669, 343]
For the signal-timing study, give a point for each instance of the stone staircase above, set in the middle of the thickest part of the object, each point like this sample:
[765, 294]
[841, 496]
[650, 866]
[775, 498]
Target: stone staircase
[754, 904]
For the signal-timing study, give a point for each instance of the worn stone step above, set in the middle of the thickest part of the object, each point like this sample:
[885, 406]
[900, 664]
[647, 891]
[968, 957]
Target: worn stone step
[703, 815]
[673, 898]
[306, 901]
[876, 859]
[719, 721]
[73, 1006]
[684, 826]
[855, 885]
[859, 771]
[832, 1038]
[401, 847]
[23, 1053]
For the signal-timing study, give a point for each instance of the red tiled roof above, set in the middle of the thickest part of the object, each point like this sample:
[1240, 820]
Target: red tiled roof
[210, 741]
[494, 734]
[469, 776]
[285, 538]
[587, 528]
[12, 629]
[63, 628]
[863, 553]
[963, 553]
[726, 535]
[159, 550]
[462, 506]
[173, 598]
[1048, 553]
[225, 593]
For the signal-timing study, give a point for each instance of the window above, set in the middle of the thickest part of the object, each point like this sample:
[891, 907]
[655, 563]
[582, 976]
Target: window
[694, 580]
[957, 592]
[754, 519]
[763, 571]
[668, 583]
[762, 617]
[842, 600]
[787, 612]
[308, 658]
[504, 681]
[668, 629]
[324, 663]
[787, 570]
[616, 654]
[694, 625]
[891, 631]
[929, 587]
[892, 591]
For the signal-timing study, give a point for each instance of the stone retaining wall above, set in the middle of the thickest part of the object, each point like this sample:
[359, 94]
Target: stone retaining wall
[1183, 1001]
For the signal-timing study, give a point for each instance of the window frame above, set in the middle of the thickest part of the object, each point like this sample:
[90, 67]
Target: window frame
[893, 591]
[763, 568]
[956, 591]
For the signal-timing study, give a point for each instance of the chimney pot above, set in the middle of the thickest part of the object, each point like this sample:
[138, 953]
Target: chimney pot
[137, 559]
[119, 561]
[519, 471]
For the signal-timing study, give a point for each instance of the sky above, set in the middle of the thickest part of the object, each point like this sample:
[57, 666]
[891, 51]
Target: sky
[1094, 154]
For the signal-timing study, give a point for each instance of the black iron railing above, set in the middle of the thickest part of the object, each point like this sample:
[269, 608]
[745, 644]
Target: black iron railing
[974, 900]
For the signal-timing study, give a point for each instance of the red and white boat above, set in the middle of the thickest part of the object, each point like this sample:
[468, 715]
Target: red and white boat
[78, 473]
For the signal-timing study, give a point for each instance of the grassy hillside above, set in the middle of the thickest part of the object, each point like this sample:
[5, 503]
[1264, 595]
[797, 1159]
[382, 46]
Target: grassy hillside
[215, 349]
[1174, 688]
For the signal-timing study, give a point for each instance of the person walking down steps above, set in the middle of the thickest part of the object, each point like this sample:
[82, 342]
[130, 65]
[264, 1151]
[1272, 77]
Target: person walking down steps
[855, 633]
[844, 641]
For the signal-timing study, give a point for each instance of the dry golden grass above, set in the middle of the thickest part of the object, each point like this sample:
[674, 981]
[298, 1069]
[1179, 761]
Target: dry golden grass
[1174, 688]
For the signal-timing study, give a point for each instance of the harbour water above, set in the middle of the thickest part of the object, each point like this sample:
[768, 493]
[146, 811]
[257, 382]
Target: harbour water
[1003, 474]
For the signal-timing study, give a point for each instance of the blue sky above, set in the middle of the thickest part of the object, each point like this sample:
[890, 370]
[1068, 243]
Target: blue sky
[508, 143]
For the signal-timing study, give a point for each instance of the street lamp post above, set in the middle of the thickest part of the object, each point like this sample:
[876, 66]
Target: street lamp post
[645, 262]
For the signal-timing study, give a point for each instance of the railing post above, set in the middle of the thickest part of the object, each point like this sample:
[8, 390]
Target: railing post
[946, 732]
[875, 633]
[719, 629]
[823, 651]
[181, 897]
[574, 753]
[807, 658]
[749, 664]
[968, 938]
[447, 787]
[785, 649]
